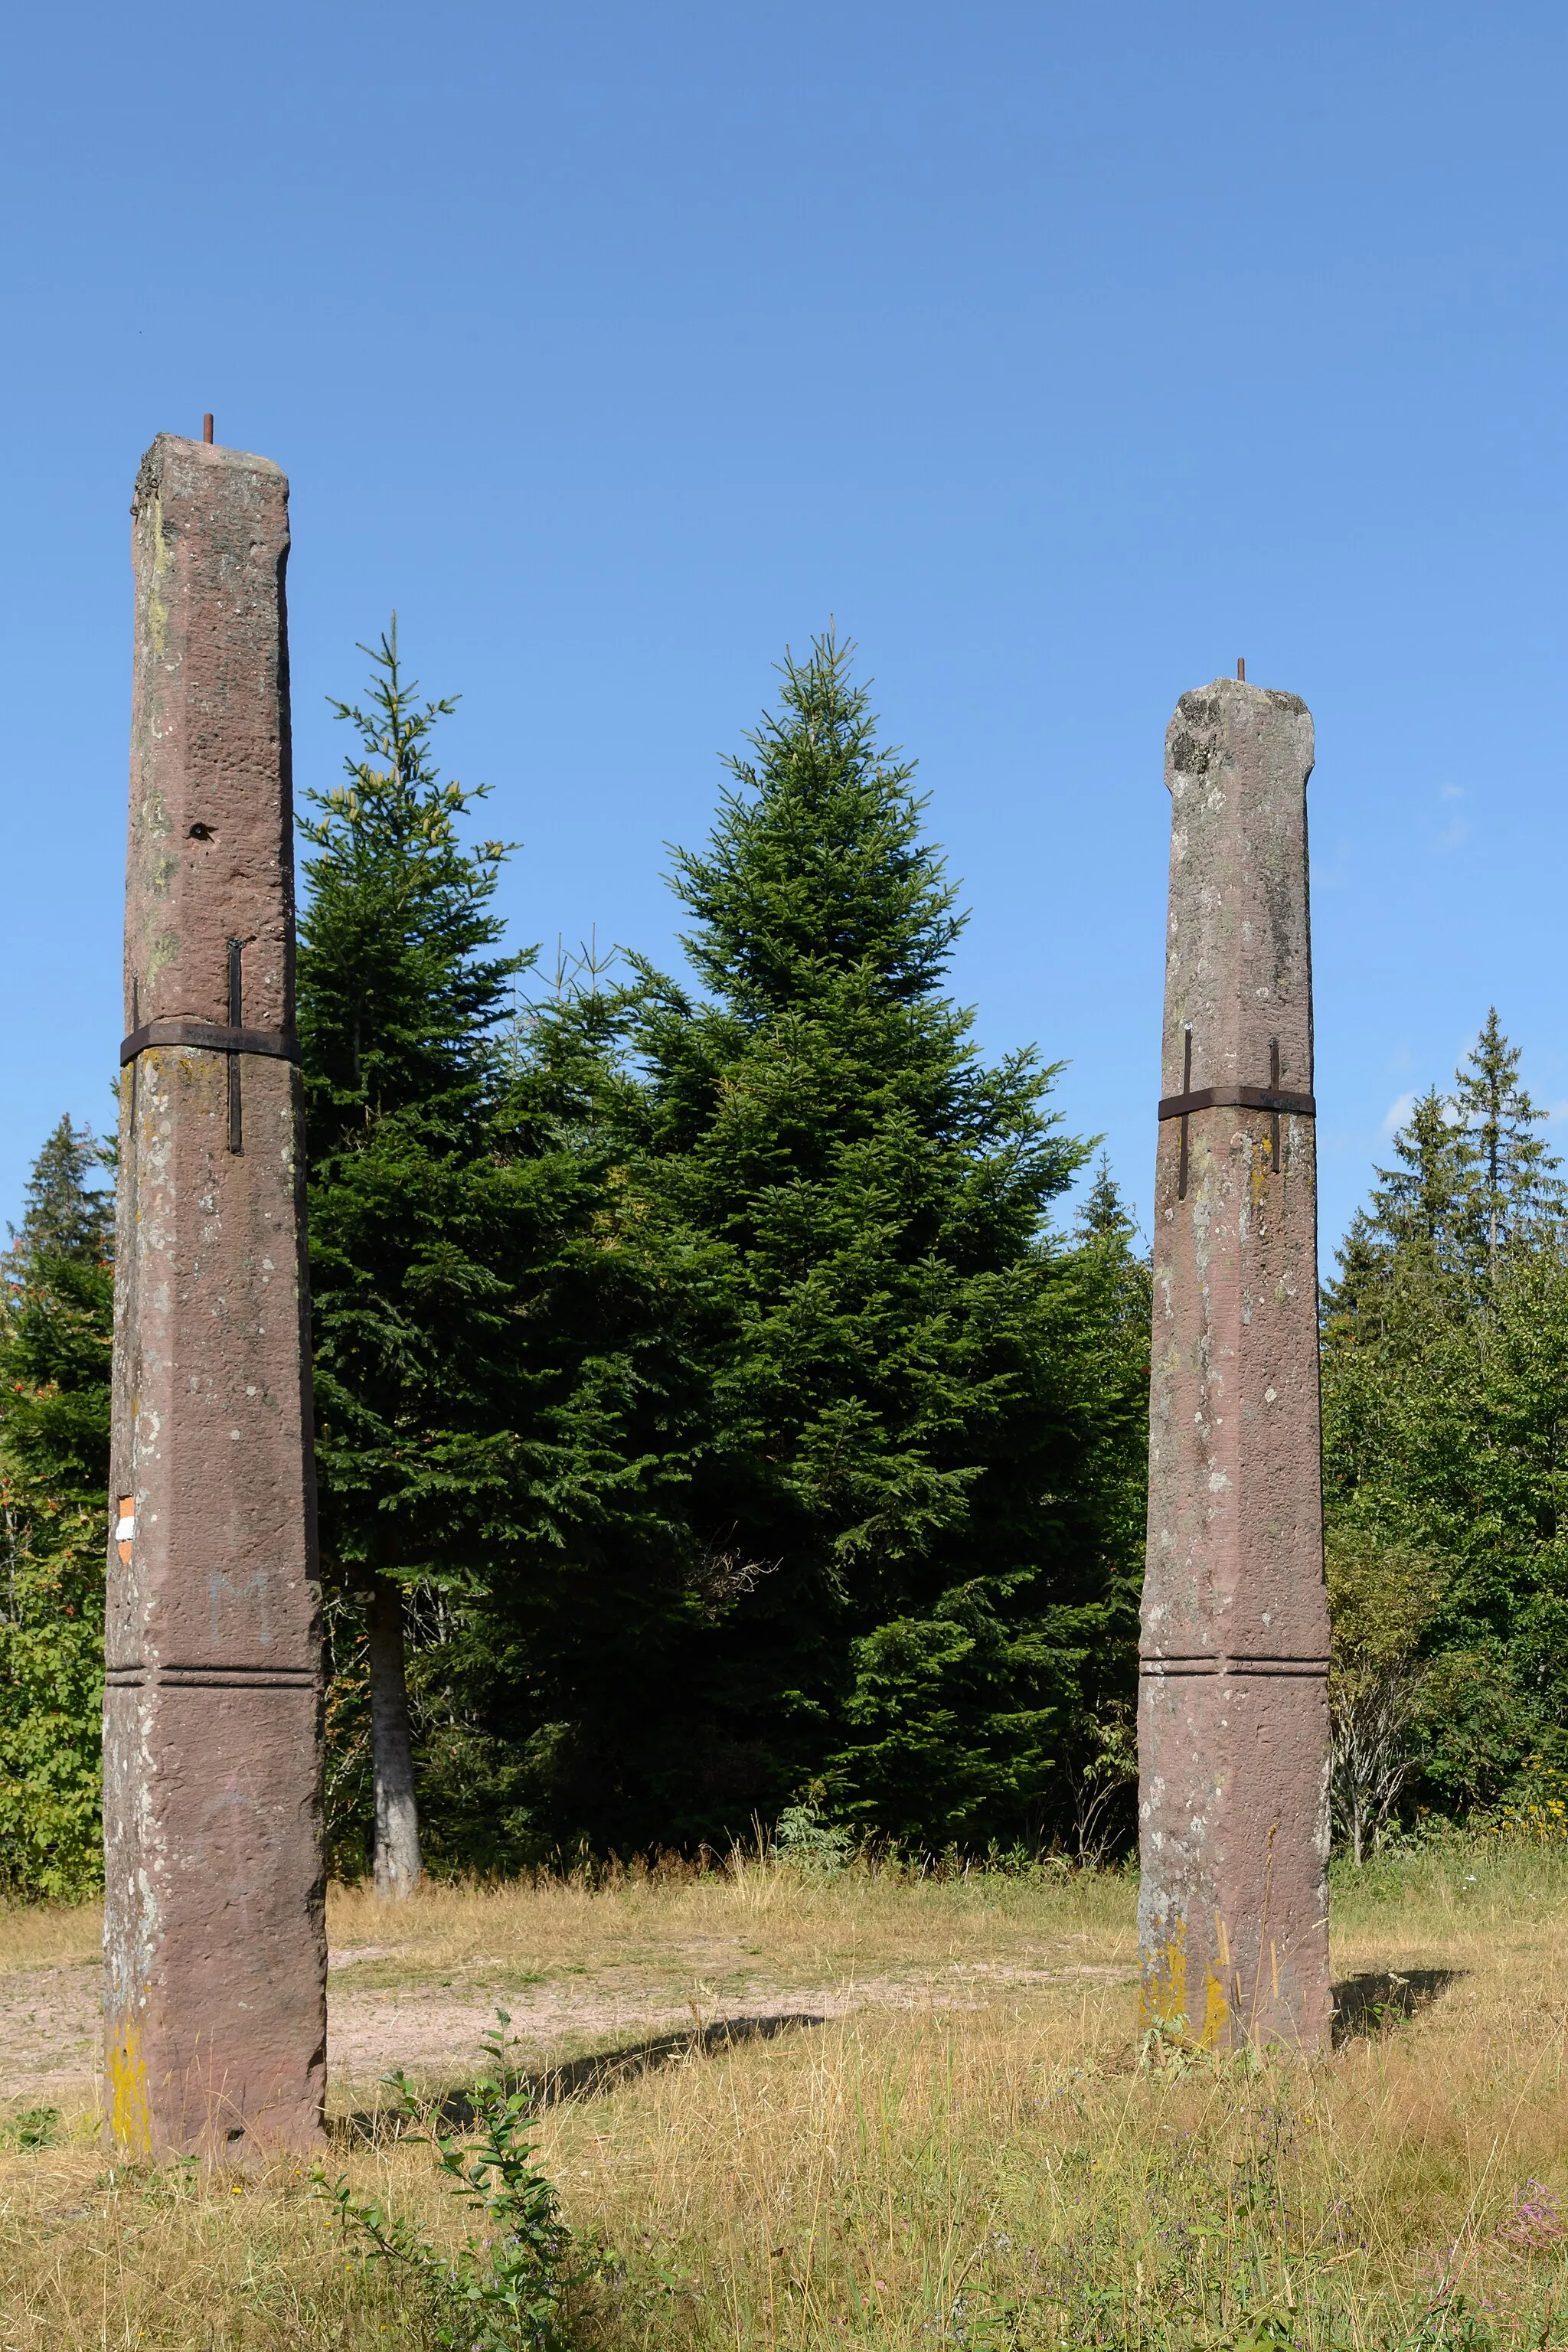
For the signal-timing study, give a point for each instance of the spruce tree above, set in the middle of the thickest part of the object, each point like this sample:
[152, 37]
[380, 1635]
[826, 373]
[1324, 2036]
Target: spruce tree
[1471, 1177]
[914, 1561]
[512, 1352]
[1423, 1201]
[1406, 1257]
[57, 1329]
[402, 1003]
[1512, 1183]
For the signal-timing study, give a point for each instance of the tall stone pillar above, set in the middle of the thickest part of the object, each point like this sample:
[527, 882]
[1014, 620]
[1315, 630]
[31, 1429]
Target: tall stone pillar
[213, 1933]
[1233, 1713]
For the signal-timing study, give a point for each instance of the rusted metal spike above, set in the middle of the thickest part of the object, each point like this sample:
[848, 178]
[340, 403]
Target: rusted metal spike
[236, 1111]
[1187, 1089]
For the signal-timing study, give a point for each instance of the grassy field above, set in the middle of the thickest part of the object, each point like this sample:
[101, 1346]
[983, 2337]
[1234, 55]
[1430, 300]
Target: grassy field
[964, 2150]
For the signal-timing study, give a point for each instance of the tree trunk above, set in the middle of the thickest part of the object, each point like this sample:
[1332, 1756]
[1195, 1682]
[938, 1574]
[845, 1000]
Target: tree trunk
[397, 1864]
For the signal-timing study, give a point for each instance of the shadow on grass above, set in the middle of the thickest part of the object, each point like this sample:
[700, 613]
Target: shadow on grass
[1370, 2003]
[573, 2078]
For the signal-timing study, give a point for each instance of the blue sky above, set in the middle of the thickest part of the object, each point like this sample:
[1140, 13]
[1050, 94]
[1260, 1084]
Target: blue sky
[1062, 353]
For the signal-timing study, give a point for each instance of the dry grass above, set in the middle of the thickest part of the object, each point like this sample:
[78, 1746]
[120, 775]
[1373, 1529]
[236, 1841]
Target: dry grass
[976, 2159]
[49, 1935]
[794, 1927]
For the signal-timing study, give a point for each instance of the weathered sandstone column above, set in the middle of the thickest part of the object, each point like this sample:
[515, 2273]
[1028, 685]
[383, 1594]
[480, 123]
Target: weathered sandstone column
[214, 1943]
[1233, 1714]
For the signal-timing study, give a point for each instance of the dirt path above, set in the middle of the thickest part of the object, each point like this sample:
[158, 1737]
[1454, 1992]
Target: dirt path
[50, 2036]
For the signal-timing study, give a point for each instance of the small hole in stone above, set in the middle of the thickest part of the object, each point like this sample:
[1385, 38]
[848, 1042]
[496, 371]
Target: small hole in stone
[202, 833]
[238, 2133]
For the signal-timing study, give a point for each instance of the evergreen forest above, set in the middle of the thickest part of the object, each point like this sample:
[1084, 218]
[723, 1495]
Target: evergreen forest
[724, 1427]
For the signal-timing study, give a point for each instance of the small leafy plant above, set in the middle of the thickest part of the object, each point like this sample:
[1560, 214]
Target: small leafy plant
[33, 2130]
[806, 1840]
[504, 2289]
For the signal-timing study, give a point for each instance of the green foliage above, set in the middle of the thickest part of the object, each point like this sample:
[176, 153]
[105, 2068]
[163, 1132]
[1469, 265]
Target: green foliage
[805, 1839]
[499, 1373]
[1537, 1810]
[911, 1510]
[416, 1268]
[702, 1365]
[504, 2291]
[1472, 1183]
[403, 1003]
[413, 1267]
[57, 1313]
[1382, 1599]
[1511, 1188]
[1445, 1394]
[31, 2131]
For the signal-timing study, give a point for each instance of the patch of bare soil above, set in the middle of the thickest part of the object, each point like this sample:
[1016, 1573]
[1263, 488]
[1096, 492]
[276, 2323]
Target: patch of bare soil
[51, 2040]
[51, 2037]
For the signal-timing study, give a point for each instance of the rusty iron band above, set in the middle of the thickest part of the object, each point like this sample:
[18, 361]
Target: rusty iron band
[1237, 1098]
[1206, 1662]
[212, 1037]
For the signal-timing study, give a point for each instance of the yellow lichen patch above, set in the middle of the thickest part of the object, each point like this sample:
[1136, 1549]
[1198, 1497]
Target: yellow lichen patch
[1262, 1168]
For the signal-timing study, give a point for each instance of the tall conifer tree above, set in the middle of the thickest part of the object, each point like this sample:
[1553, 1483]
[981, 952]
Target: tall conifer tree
[402, 1004]
[1510, 1167]
[912, 1555]
[56, 1330]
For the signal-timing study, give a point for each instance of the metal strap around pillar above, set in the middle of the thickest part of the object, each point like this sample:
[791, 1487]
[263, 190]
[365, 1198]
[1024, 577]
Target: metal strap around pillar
[1270, 1099]
[1237, 1098]
[212, 1036]
[231, 1038]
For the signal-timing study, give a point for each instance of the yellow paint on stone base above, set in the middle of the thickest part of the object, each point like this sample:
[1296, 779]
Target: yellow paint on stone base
[130, 2116]
[1162, 1994]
